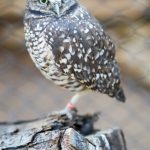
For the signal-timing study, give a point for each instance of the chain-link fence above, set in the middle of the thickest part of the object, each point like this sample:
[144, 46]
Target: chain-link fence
[26, 94]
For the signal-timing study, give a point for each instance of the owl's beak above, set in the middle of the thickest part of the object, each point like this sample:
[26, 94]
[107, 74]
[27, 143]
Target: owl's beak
[56, 9]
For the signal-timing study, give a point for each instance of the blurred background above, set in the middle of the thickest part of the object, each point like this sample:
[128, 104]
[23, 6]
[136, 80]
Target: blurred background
[26, 94]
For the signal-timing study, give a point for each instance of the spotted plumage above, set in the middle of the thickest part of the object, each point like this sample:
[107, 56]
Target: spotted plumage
[69, 46]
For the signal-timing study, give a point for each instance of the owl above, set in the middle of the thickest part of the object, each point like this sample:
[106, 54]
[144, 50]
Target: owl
[70, 47]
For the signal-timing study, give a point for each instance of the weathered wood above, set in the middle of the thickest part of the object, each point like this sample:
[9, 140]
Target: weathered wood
[59, 133]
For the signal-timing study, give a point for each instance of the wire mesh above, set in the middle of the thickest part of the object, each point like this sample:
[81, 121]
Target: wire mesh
[25, 94]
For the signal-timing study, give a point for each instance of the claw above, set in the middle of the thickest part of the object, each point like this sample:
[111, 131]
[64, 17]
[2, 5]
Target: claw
[70, 113]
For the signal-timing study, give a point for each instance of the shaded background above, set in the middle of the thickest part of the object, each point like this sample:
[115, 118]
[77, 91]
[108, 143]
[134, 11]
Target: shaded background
[26, 94]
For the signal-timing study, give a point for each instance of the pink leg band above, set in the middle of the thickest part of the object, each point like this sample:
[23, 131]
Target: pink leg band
[70, 106]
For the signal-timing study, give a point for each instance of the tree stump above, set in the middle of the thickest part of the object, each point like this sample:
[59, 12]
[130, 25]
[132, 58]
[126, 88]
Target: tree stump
[58, 132]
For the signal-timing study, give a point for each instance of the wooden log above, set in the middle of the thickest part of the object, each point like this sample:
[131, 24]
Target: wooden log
[58, 132]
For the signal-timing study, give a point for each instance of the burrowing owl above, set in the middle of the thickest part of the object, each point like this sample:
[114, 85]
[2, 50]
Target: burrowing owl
[69, 46]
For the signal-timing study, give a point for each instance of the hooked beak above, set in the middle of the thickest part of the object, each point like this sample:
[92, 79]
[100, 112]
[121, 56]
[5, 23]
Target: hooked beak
[56, 8]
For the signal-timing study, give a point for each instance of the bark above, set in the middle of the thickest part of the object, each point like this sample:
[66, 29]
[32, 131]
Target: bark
[58, 132]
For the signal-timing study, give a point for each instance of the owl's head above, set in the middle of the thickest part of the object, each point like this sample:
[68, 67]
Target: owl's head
[55, 7]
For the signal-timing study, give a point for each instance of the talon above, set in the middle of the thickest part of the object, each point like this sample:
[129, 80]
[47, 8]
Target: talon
[69, 112]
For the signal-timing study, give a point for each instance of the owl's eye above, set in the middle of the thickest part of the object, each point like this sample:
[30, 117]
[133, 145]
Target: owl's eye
[65, 1]
[43, 2]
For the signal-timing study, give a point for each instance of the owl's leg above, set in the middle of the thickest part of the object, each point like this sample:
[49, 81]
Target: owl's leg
[70, 108]
[74, 100]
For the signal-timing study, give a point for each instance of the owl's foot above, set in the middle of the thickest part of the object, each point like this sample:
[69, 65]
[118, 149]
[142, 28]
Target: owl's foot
[69, 111]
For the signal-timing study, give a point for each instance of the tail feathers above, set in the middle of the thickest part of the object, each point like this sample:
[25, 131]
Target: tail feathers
[120, 95]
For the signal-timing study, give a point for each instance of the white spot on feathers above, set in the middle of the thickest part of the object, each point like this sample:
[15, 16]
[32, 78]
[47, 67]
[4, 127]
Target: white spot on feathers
[86, 31]
[91, 26]
[62, 49]
[66, 70]
[75, 65]
[77, 70]
[101, 52]
[97, 76]
[75, 31]
[67, 40]
[71, 50]
[97, 55]
[89, 50]
[63, 61]
[80, 55]
[69, 66]
[74, 40]
[68, 56]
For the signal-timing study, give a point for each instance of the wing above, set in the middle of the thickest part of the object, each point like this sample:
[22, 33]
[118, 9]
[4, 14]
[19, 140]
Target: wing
[85, 52]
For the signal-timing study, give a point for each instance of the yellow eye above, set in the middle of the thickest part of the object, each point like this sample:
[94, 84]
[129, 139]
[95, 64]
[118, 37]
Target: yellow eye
[43, 1]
